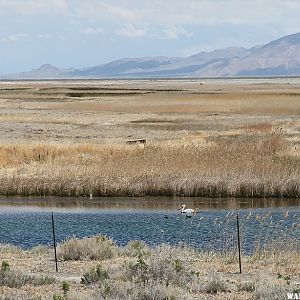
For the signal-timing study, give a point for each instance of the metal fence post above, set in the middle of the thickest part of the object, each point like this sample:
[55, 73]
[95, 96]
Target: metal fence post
[54, 243]
[239, 241]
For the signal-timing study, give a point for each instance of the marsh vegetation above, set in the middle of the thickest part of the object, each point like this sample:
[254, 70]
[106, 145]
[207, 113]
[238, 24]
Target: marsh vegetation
[252, 165]
[211, 139]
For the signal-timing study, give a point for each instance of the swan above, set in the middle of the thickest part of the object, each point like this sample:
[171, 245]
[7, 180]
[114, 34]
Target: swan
[186, 210]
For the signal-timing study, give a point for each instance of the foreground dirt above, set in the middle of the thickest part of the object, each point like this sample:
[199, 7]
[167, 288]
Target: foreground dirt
[263, 276]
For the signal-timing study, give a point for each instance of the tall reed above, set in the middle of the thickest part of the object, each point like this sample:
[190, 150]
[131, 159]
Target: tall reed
[253, 165]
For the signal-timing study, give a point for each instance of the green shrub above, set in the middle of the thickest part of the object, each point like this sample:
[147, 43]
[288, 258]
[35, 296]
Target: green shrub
[96, 274]
[138, 270]
[65, 288]
[178, 265]
[162, 264]
[5, 266]
[136, 248]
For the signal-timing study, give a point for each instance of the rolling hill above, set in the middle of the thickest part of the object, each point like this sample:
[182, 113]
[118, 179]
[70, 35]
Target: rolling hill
[277, 58]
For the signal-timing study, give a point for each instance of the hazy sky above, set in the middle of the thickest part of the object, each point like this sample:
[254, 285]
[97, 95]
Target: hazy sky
[82, 33]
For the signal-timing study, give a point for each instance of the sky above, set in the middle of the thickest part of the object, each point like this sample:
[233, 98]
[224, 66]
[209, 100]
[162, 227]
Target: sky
[82, 33]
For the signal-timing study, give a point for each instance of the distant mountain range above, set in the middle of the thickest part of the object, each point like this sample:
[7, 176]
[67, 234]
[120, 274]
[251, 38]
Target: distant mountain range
[277, 58]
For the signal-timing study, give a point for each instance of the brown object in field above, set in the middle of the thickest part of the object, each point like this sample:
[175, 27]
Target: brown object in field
[136, 142]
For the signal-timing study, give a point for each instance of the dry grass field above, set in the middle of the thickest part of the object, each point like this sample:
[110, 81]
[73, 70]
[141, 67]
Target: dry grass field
[203, 138]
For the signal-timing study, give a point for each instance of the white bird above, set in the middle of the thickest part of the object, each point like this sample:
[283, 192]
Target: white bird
[186, 210]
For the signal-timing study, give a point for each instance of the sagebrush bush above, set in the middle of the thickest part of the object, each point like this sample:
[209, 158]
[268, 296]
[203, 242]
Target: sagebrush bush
[94, 248]
[135, 249]
[126, 290]
[13, 279]
[97, 274]
[215, 285]
[4, 248]
[247, 286]
[268, 292]
[163, 264]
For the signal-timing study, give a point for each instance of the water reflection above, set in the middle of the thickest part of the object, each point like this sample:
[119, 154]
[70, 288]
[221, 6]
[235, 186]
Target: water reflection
[151, 203]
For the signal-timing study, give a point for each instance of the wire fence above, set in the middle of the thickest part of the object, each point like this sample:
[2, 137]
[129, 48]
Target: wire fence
[207, 231]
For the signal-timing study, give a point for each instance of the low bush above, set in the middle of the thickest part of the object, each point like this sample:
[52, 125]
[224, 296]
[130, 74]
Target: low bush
[96, 274]
[126, 290]
[247, 286]
[135, 249]
[94, 248]
[162, 264]
[13, 279]
[267, 292]
[215, 285]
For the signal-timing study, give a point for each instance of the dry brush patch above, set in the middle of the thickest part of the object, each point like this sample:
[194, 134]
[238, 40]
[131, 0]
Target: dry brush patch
[96, 248]
[160, 272]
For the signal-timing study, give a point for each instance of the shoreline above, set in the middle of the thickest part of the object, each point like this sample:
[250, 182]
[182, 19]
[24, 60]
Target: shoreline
[150, 201]
[155, 195]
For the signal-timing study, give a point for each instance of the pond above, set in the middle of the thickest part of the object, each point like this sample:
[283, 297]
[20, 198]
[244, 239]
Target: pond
[26, 222]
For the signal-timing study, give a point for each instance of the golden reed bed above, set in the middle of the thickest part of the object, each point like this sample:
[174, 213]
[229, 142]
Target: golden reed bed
[257, 165]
